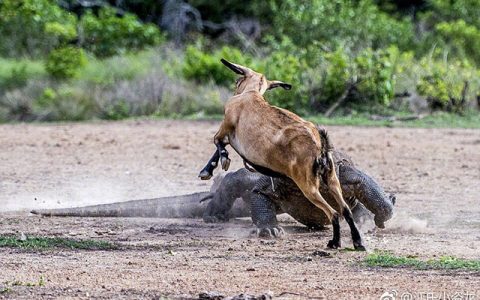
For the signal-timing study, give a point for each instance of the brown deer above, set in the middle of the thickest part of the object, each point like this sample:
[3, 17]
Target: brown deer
[277, 142]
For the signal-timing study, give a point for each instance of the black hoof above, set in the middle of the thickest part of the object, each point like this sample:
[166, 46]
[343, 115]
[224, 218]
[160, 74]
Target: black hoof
[225, 161]
[359, 247]
[205, 175]
[334, 244]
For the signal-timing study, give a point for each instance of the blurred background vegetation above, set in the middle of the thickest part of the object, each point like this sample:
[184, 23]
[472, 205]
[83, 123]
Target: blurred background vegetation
[98, 59]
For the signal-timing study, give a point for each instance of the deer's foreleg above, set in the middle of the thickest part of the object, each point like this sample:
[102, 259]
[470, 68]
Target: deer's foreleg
[220, 140]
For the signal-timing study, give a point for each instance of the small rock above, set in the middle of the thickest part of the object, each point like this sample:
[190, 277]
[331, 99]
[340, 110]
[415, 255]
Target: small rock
[210, 296]
[251, 269]
[321, 253]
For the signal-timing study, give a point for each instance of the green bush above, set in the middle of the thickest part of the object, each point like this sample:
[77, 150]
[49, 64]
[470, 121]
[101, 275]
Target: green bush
[108, 34]
[449, 86]
[354, 24]
[34, 27]
[375, 71]
[116, 111]
[442, 10]
[63, 104]
[203, 66]
[370, 76]
[337, 72]
[64, 63]
[16, 79]
[288, 68]
[463, 40]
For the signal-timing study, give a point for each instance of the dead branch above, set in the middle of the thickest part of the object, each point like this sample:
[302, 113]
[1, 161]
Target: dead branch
[397, 118]
[341, 99]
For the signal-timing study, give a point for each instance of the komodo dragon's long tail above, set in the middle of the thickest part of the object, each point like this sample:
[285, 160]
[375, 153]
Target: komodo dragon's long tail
[184, 206]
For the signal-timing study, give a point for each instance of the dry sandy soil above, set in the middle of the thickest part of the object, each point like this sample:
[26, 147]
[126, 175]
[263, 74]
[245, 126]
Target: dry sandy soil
[434, 172]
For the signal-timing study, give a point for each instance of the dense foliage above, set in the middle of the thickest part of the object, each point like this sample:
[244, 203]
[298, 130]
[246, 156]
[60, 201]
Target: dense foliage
[68, 59]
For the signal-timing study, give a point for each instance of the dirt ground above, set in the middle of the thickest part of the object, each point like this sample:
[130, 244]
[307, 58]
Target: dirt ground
[434, 172]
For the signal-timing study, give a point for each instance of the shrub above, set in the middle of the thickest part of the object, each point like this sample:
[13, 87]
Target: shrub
[17, 78]
[370, 76]
[375, 71]
[462, 39]
[109, 34]
[34, 27]
[64, 63]
[63, 103]
[203, 66]
[355, 24]
[441, 10]
[288, 68]
[449, 86]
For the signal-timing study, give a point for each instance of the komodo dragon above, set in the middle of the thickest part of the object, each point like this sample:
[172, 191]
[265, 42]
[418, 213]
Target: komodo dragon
[269, 196]
[263, 198]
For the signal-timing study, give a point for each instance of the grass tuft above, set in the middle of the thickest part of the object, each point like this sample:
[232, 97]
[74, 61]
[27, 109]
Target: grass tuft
[436, 120]
[388, 260]
[43, 243]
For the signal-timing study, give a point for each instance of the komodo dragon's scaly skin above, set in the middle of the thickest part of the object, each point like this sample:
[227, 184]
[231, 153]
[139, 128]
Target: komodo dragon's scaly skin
[271, 196]
[183, 206]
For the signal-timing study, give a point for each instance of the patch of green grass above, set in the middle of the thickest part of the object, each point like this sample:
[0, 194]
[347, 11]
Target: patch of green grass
[388, 260]
[359, 120]
[121, 67]
[33, 67]
[15, 73]
[436, 120]
[40, 282]
[42, 243]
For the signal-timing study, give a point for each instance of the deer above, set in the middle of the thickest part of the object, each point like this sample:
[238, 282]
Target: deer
[277, 142]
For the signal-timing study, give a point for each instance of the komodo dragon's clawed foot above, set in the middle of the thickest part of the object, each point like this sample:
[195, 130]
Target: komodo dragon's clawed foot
[379, 222]
[392, 198]
[269, 232]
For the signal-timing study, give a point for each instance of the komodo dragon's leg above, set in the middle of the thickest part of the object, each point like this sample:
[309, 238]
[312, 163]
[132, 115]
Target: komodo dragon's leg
[264, 216]
[234, 185]
[368, 192]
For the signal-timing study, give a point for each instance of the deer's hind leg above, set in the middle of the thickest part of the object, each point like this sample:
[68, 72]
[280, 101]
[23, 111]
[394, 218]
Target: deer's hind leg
[336, 191]
[310, 189]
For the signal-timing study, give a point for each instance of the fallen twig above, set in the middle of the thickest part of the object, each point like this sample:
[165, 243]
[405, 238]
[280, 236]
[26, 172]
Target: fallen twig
[396, 118]
[341, 99]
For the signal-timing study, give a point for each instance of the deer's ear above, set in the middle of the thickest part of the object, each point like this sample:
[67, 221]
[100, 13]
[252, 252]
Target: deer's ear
[276, 83]
[239, 69]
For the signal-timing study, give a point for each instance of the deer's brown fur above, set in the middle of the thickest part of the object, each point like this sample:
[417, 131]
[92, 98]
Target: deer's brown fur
[276, 139]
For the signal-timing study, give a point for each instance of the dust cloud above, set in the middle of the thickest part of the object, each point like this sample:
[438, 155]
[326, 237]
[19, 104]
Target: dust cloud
[402, 222]
[77, 193]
